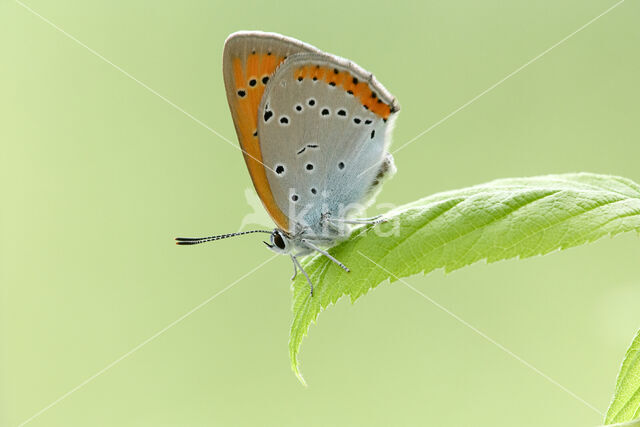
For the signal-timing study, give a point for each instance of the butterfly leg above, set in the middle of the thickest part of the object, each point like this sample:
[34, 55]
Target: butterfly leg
[325, 253]
[373, 218]
[298, 266]
[295, 270]
[369, 221]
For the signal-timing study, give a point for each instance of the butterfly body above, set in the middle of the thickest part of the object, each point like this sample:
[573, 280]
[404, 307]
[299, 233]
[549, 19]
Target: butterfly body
[314, 129]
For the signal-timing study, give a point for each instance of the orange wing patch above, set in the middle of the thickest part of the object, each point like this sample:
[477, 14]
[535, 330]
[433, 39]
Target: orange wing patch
[250, 80]
[361, 90]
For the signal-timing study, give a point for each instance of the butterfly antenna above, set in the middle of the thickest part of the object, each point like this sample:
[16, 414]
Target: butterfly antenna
[198, 240]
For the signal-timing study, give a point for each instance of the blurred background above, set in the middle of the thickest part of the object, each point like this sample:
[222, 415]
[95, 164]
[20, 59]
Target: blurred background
[98, 175]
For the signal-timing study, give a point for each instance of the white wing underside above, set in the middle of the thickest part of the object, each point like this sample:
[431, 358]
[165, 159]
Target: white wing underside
[328, 151]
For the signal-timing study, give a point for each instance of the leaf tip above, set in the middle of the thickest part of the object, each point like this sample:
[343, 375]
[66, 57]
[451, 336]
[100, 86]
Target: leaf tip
[298, 374]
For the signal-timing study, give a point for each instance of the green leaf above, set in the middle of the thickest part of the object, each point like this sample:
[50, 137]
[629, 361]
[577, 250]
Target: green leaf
[507, 218]
[634, 423]
[625, 405]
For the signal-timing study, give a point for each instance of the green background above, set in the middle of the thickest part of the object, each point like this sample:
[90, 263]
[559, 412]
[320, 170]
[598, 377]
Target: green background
[98, 175]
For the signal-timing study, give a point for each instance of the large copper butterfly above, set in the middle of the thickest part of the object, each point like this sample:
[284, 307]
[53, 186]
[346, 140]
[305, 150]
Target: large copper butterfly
[314, 129]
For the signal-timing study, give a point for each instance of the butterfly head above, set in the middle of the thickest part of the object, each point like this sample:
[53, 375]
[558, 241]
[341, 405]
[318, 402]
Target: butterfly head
[280, 243]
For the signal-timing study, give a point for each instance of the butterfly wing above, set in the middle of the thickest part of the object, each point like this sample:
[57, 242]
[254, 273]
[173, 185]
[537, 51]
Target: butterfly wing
[324, 125]
[249, 62]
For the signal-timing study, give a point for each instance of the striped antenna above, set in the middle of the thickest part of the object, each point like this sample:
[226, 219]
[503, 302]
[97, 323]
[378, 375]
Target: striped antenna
[198, 240]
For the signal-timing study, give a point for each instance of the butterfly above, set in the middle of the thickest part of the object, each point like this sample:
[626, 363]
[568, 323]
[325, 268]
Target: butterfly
[314, 130]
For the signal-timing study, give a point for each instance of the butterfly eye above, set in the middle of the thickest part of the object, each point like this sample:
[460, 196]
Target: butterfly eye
[278, 240]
